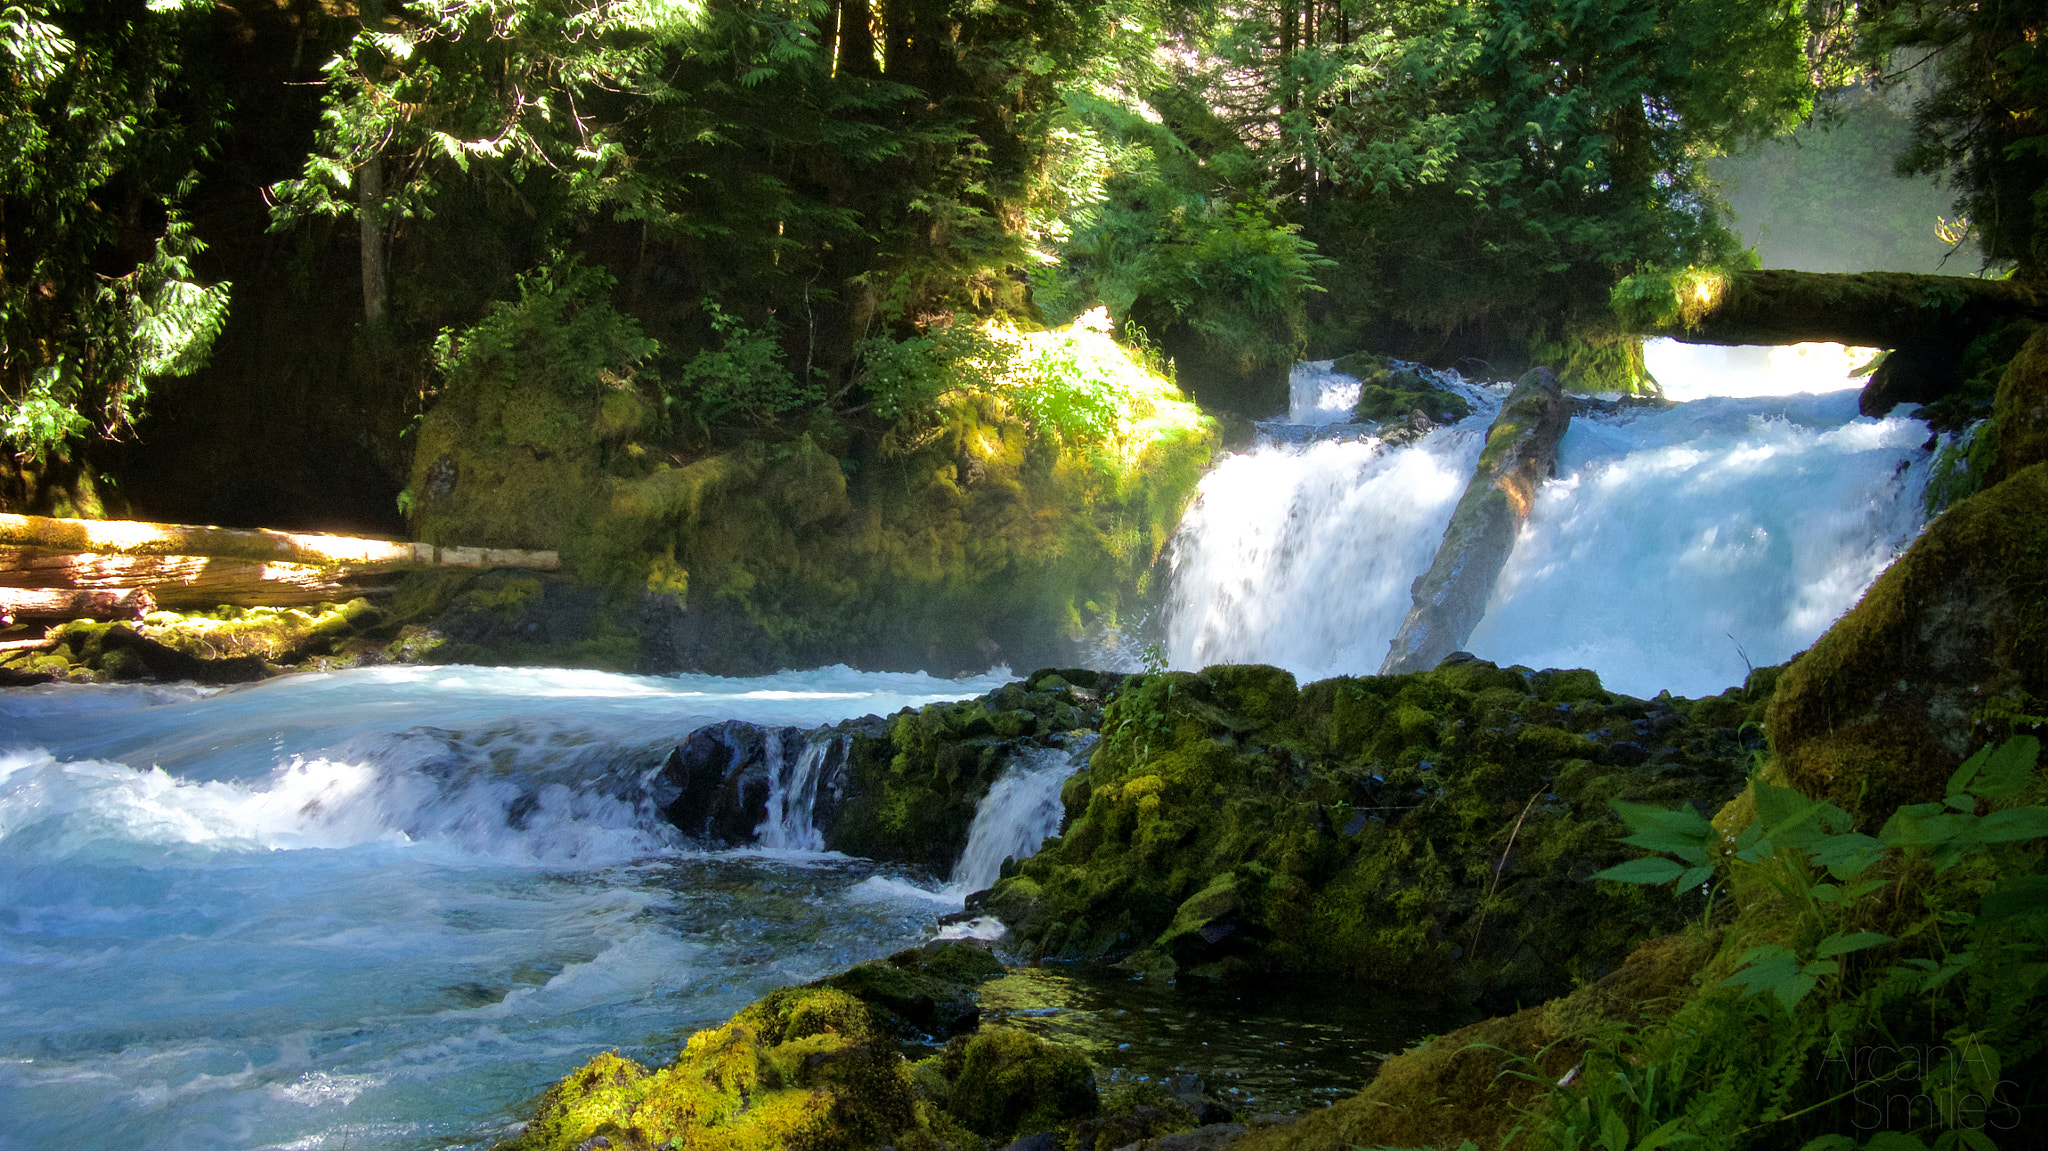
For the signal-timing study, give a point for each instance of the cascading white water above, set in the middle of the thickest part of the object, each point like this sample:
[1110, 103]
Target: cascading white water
[1022, 808]
[792, 797]
[1678, 547]
[1665, 533]
[1300, 554]
[309, 912]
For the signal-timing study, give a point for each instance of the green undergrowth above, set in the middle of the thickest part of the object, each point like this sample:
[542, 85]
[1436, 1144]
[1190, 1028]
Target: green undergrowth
[1436, 832]
[1004, 493]
[859, 1060]
[1879, 991]
[915, 784]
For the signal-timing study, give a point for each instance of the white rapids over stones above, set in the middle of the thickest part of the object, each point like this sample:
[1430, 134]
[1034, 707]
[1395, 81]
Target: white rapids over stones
[384, 908]
[1674, 548]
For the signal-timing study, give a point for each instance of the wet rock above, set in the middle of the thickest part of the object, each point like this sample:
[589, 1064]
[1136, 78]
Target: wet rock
[722, 775]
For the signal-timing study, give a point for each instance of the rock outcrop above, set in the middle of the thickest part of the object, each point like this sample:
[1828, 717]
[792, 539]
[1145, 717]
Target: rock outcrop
[1451, 596]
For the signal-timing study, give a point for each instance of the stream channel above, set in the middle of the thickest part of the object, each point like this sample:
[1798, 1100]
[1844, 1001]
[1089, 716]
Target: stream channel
[383, 908]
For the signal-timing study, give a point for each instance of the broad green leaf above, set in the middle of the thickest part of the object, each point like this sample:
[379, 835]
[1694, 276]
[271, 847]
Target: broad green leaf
[2011, 826]
[1839, 944]
[1766, 968]
[1647, 871]
[1822, 967]
[2011, 768]
[1694, 876]
[2019, 895]
[1792, 990]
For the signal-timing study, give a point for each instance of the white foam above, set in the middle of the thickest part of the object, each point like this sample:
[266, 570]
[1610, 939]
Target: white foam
[1301, 556]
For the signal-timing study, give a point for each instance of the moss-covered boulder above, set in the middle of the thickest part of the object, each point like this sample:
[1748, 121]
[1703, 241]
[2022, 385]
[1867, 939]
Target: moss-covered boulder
[1434, 831]
[1948, 640]
[227, 645]
[1391, 389]
[2020, 410]
[824, 1067]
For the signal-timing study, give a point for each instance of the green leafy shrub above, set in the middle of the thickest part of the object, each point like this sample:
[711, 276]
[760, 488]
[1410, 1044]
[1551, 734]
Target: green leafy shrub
[744, 379]
[1886, 986]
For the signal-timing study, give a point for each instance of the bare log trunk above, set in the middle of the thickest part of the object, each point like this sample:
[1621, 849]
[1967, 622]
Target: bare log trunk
[108, 603]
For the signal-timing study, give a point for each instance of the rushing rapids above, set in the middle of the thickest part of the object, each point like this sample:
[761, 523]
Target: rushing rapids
[1675, 547]
[380, 908]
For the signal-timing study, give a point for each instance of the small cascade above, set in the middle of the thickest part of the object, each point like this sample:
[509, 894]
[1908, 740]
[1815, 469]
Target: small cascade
[1022, 808]
[792, 796]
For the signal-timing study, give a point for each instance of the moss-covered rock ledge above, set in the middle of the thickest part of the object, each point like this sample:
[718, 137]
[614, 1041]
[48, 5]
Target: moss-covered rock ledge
[1434, 833]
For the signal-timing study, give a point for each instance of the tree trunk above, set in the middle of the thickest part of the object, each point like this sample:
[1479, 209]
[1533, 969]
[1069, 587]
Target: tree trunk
[857, 39]
[370, 200]
[1864, 309]
[105, 603]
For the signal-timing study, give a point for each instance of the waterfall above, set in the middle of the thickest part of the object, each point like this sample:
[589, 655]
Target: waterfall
[1300, 551]
[1022, 808]
[792, 795]
[1674, 548]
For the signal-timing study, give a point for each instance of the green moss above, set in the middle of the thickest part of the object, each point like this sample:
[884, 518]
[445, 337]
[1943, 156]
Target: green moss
[815, 1067]
[1388, 391]
[1431, 831]
[1010, 1083]
[1878, 713]
[916, 782]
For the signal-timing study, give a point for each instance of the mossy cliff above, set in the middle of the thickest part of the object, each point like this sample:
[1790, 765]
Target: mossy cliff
[1433, 832]
[1022, 507]
[1948, 647]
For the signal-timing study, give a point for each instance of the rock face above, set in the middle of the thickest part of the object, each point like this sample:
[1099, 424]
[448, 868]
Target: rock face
[1889, 702]
[726, 771]
[1451, 596]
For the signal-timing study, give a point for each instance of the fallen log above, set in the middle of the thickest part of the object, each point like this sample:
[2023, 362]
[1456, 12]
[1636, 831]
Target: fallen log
[189, 567]
[1927, 321]
[1862, 309]
[1451, 596]
[103, 603]
[139, 538]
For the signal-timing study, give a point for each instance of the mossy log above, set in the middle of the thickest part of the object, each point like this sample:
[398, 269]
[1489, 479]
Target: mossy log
[187, 566]
[1926, 321]
[1451, 596]
[1865, 309]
